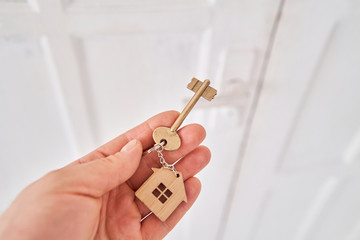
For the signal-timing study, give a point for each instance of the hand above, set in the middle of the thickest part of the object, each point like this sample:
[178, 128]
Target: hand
[93, 197]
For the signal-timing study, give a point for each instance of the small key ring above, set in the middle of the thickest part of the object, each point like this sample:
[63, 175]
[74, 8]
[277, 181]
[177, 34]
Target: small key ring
[155, 148]
[163, 161]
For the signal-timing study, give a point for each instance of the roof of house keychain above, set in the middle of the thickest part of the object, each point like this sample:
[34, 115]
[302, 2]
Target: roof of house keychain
[164, 190]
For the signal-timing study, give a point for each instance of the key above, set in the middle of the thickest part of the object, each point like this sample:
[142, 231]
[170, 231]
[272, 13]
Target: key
[169, 136]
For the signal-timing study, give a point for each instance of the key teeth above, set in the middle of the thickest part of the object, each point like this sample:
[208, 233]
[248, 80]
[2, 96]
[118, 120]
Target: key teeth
[209, 92]
[194, 84]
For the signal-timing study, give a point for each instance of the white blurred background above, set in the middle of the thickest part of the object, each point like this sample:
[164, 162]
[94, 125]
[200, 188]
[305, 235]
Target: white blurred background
[284, 129]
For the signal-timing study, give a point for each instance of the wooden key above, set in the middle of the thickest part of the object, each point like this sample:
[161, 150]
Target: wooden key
[169, 136]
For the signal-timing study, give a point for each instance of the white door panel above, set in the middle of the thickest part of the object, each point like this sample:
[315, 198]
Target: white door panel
[306, 125]
[34, 133]
[138, 67]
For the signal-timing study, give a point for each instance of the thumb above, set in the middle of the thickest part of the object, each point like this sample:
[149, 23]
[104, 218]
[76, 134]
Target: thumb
[97, 177]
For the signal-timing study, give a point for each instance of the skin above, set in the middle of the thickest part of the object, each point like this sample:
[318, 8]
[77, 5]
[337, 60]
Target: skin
[93, 197]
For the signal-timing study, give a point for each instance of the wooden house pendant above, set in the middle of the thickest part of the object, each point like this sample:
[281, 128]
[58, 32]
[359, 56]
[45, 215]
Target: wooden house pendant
[162, 192]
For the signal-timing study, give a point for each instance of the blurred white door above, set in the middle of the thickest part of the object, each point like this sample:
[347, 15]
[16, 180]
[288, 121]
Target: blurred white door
[284, 129]
[299, 171]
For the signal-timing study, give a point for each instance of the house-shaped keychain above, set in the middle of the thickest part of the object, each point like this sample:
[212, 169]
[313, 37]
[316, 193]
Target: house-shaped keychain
[162, 192]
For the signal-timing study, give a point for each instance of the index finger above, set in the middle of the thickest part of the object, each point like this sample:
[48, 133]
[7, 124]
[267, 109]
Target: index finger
[142, 132]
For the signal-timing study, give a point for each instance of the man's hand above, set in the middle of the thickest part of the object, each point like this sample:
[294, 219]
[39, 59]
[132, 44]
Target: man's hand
[93, 197]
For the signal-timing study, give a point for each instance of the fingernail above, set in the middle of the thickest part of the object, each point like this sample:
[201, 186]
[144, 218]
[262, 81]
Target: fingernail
[130, 145]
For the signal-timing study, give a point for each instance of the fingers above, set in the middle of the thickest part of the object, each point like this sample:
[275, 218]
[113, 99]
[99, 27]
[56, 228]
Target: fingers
[190, 165]
[191, 137]
[194, 162]
[97, 177]
[142, 132]
[153, 228]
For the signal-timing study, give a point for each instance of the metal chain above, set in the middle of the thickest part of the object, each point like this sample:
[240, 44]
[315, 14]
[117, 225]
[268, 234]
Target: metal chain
[155, 148]
[159, 147]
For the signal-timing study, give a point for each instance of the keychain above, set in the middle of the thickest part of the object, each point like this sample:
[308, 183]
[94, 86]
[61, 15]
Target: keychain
[164, 190]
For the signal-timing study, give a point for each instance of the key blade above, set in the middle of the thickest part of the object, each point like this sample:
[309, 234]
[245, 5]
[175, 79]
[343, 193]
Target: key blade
[194, 85]
[209, 92]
